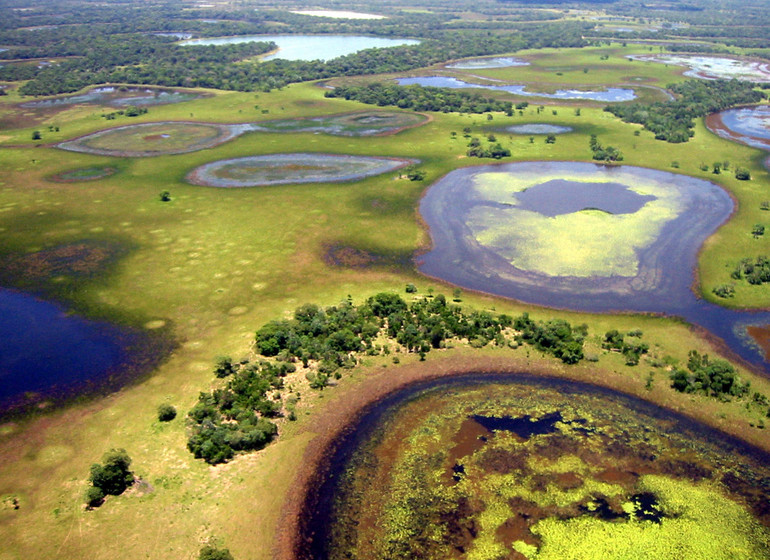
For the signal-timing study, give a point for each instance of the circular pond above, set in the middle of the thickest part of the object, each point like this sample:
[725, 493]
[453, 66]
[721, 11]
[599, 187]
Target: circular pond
[747, 125]
[278, 169]
[570, 234]
[83, 174]
[535, 128]
[153, 139]
[364, 123]
[512, 466]
[116, 97]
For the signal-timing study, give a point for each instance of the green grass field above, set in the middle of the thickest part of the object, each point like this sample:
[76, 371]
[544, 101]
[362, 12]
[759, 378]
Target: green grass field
[215, 264]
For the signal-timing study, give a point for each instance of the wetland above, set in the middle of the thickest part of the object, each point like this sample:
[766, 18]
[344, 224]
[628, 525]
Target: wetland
[514, 466]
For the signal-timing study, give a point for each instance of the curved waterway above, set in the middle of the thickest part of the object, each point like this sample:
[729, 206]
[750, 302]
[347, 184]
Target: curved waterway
[617, 438]
[621, 238]
[747, 125]
[47, 353]
[608, 94]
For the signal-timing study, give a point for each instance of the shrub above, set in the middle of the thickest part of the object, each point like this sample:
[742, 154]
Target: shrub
[742, 174]
[166, 412]
[210, 552]
[94, 497]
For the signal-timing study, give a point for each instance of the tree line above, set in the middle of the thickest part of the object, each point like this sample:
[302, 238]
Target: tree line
[673, 121]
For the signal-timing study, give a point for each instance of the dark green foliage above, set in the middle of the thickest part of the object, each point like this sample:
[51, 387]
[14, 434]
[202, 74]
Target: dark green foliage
[715, 378]
[113, 476]
[94, 496]
[556, 337]
[550, 139]
[496, 151]
[631, 349]
[742, 174]
[724, 291]
[756, 272]
[166, 412]
[604, 153]
[758, 230]
[210, 552]
[224, 366]
[421, 98]
[235, 418]
[165, 196]
[672, 121]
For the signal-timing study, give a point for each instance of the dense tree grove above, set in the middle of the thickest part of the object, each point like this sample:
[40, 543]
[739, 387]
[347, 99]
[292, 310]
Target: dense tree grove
[235, 417]
[672, 121]
[715, 378]
[421, 98]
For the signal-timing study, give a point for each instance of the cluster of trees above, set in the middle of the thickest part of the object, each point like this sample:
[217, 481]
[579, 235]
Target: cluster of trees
[235, 417]
[493, 150]
[333, 336]
[111, 477]
[631, 349]
[556, 337]
[755, 272]
[672, 121]
[421, 98]
[604, 153]
[712, 377]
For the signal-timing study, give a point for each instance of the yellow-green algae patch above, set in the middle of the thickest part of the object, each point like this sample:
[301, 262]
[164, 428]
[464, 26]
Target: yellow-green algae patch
[700, 523]
[586, 243]
[607, 480]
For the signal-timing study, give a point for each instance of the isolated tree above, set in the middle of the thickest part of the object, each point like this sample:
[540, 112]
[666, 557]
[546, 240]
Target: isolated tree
[113, 476]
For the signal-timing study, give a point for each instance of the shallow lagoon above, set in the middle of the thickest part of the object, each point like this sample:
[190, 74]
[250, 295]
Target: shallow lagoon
[310, 47]
[713, 67]
[485, 63]
[747, 125]
[536, 128]
[608, 95]
[440, 466]
[588, 260]
[278, 169]
[117, 97]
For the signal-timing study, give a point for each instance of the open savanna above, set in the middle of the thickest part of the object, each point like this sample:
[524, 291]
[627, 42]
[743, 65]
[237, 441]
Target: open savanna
[215, 264]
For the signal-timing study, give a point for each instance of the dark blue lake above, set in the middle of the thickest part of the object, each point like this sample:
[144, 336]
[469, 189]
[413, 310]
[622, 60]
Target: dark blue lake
[47, 353]
[609, 94]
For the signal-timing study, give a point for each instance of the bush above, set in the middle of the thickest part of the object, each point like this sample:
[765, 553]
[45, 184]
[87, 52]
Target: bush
[210, 552]
[166, 412]
[742, 174]
[94, 497]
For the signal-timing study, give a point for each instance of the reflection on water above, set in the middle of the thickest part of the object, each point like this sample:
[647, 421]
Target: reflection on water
[747, 125]
[609, 94]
